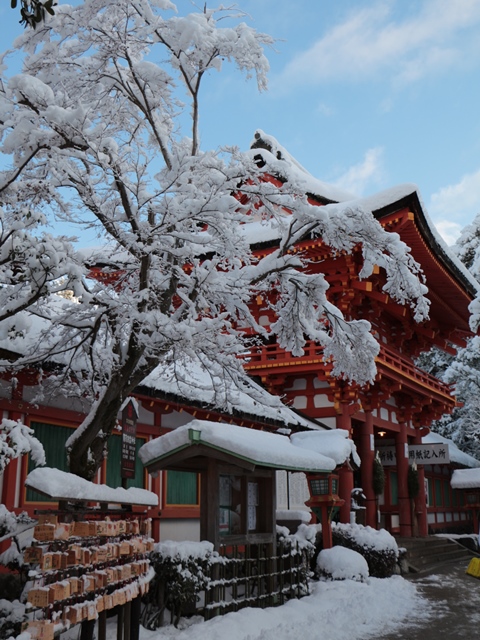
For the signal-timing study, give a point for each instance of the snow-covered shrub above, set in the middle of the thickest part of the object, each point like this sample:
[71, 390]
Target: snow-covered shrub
[12, 614]
[340, 563]
[379, 548]
[181, 573]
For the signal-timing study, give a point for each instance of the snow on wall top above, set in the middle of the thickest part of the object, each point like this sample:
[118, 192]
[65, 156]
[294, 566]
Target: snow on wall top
[67, 486]
[456, 455]
[261, 447]
[465, 479]
[334, 444]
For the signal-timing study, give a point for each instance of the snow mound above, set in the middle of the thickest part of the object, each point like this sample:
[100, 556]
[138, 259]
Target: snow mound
[340, 563]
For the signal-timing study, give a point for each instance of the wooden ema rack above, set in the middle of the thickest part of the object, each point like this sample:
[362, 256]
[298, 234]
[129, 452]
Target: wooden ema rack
[81, 569]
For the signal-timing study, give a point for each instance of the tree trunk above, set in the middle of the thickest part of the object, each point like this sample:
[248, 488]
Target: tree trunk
[87, 449]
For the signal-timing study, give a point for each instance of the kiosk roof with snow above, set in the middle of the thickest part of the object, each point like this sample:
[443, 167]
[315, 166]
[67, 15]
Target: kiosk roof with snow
[237, 502]
[190, 445]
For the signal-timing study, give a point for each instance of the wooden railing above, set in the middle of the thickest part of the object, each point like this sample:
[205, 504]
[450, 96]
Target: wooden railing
[270, 357]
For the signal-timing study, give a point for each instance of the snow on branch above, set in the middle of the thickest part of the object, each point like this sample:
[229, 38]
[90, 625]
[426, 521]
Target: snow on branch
[16, 439]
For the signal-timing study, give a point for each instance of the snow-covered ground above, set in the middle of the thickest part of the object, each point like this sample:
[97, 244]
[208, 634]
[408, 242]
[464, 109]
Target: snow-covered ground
[339, 610]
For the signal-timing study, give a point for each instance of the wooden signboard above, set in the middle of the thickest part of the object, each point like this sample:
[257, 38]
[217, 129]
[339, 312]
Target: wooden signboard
[129, 434]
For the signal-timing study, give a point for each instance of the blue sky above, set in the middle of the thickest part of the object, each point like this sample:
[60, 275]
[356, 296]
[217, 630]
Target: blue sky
[364, 94]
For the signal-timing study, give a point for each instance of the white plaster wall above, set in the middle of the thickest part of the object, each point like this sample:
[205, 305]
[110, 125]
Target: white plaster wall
[321, 400]
[330, 422]
[299, 493]
[180, 529]
[5, 389]
[31, 394]
[176, 419]
[300, 402]
[298, 383]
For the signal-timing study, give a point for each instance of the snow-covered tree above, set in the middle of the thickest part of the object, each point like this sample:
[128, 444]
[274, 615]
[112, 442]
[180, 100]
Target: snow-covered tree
[16, 439]
[462, 370]
[33, 12]
[95, 132]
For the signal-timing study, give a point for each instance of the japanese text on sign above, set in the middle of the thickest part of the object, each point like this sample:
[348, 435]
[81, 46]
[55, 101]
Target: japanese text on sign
[418, 453]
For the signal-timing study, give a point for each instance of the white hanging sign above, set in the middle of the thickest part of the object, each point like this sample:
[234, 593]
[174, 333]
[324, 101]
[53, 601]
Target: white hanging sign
[418, 453]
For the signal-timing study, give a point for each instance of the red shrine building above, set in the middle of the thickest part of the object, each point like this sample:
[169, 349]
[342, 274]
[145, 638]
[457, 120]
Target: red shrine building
[394, 413]
[399, 407]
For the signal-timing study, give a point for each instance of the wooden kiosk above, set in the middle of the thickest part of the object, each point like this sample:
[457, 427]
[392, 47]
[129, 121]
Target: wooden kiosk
[237, 506]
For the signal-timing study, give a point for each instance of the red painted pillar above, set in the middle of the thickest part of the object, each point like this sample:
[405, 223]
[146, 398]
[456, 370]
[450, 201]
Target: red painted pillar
[326, 529]
[345, 473]
[156, 488]
[421, 501]
[10, 474]
[10, 484]
[366, 451]
[401, 450]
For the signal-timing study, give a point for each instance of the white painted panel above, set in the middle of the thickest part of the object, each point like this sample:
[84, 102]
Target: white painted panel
[180, 529]
[329, 422]
[321, 400]
[300, 402]
[298, 383]
[176, 419]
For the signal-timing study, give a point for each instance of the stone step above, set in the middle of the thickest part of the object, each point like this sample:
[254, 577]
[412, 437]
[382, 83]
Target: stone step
[423, 554]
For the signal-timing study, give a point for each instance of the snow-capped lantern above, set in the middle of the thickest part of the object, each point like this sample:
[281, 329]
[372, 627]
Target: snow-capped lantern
[323, 488]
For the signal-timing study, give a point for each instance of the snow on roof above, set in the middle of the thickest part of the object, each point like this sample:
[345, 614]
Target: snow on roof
[334, 444]
[465, 479]
[192, 381]
[456, 455]
[269, 144]
[189, 381]
[394, 194]
[61, 485]
[375, 202]
[260, 447]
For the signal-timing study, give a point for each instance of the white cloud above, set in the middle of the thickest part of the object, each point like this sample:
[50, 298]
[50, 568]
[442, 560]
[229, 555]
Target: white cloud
[460, 201]
[370, 171]
[325, 109]
[449, 231]
[373, 40]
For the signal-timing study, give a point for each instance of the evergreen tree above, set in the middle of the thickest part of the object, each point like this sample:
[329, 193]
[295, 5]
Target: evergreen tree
[462, 370]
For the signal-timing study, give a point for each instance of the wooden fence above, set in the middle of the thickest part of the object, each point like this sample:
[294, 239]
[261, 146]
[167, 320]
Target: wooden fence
[255, 576]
